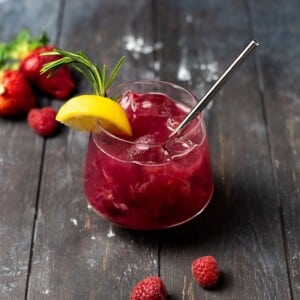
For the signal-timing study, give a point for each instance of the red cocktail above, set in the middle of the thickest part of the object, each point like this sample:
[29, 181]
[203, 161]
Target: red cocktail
[150, 181]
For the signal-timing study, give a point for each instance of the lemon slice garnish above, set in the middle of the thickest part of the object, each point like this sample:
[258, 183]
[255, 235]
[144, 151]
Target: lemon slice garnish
[85, 111]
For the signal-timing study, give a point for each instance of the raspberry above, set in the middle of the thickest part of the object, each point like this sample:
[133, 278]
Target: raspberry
[149, 288]
[205, 271]
[42, 120]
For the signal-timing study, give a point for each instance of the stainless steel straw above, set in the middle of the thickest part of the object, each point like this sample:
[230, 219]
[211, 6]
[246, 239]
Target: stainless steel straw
[216, 87]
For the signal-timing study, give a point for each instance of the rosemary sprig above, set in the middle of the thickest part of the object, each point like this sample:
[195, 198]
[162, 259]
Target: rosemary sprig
[84, 65]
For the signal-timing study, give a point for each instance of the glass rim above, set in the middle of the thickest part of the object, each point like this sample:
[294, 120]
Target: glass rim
[153, 81]
[187, 130]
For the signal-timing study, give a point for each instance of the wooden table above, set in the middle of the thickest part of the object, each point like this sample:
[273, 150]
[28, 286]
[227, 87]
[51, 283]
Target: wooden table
[52, 246]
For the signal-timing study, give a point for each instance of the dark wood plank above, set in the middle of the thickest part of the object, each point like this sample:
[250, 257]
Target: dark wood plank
[241, 227]
[278, 65]
[38, 18]
[77, 255]
[252, 224]
[20, 158]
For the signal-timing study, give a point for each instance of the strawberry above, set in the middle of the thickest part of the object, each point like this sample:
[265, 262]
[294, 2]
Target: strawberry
[206, 271]
[149, 288]
[24, 52]
[59, 85]
[42, 121]
[16, 95]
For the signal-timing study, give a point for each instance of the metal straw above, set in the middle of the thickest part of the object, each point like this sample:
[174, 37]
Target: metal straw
[216, 87]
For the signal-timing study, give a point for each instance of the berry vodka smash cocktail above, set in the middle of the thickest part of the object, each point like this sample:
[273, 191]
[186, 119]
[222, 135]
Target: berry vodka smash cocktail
[144, 179]
[148, 181]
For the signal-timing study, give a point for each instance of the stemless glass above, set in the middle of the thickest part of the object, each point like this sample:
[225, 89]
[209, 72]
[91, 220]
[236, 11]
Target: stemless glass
[165, 185]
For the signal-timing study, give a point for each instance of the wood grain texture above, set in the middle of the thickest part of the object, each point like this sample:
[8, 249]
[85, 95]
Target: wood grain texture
[77, 255]
[278, 65]
[20, 160]
[53, 246]
[241, 227]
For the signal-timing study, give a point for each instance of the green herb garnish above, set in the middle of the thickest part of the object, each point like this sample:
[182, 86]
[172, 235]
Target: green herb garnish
[84, 65]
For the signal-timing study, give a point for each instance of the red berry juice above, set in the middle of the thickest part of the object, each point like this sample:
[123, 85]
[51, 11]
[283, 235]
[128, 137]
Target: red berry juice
[149, 181]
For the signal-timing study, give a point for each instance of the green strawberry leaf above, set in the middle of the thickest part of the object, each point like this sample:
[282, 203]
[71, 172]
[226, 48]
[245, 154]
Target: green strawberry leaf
[13, 52]
[24, 43]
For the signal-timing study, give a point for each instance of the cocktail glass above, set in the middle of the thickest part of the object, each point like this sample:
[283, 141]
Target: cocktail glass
[150, 182]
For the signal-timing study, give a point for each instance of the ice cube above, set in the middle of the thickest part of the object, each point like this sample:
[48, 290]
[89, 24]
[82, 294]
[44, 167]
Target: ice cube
[146, 149]
[176, 116]
[180, 146]
[173, 122]
[127, 100]
[152, 105]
